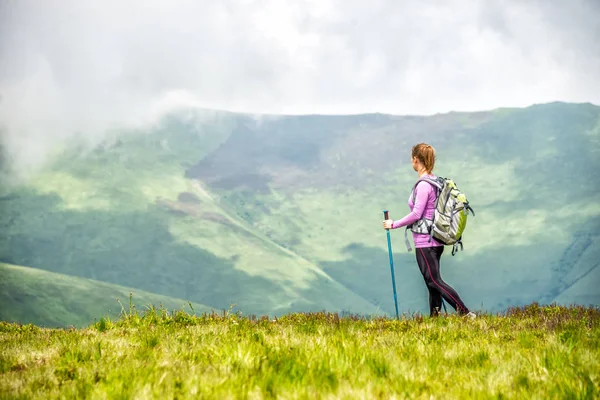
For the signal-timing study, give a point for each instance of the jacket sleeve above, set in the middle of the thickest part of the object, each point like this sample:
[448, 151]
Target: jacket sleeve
[422, 194]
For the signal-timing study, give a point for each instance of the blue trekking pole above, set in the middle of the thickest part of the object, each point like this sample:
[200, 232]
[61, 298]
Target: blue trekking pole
[386, 217]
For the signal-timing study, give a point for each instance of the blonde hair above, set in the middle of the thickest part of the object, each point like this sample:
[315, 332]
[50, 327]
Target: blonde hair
[426, 154]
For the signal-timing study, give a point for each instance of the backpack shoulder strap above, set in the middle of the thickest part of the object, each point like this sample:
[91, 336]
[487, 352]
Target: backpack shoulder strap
[437, 183]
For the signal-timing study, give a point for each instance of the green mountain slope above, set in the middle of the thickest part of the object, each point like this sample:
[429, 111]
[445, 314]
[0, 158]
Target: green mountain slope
[529, 173]
[30, 295]
[285, 214]
[584, 291]
[125, 214]
[579, 282]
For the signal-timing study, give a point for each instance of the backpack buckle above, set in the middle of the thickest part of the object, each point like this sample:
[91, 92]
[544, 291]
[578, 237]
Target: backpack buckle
[455, 247]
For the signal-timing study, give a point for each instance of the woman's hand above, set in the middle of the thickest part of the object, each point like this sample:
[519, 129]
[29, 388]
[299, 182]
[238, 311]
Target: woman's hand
[387, 224]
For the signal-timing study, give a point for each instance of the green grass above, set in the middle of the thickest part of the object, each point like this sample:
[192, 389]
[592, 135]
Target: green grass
[548, 352]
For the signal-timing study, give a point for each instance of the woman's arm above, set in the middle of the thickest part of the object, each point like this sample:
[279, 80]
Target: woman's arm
[423, 189]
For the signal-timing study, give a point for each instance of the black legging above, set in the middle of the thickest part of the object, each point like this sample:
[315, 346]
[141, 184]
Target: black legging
[428, 259]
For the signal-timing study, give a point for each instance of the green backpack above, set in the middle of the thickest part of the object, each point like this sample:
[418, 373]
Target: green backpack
[450, 216]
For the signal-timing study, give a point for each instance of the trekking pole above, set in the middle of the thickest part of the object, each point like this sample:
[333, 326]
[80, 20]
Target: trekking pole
[386, 217]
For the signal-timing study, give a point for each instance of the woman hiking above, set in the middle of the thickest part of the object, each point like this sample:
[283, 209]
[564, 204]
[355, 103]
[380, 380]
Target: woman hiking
[428, 250]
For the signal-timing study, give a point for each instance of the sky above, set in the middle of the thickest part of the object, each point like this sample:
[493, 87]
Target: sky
[85, 67]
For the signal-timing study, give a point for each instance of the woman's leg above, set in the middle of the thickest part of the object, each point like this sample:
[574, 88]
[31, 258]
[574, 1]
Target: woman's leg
[435, 298]
[428, 259]
[435, 301]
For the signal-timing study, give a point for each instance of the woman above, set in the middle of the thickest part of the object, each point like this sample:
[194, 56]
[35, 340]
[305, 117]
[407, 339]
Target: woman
[428, 250]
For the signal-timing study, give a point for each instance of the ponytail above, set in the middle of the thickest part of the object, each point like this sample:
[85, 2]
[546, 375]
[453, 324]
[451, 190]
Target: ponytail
[426, 154]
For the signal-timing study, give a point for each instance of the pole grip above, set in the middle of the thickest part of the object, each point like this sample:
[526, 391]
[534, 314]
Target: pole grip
[386, 215]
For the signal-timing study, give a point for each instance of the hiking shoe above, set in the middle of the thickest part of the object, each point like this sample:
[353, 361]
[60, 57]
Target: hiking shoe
[471, 315]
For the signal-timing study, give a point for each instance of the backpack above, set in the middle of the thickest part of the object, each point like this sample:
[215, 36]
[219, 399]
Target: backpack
[450, 216]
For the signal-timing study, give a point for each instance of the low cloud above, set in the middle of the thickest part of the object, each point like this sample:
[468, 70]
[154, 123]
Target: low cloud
[83, 68]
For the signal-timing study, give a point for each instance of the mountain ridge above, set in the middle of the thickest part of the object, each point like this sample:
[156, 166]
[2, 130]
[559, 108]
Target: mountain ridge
[228, 210]
[234, 112]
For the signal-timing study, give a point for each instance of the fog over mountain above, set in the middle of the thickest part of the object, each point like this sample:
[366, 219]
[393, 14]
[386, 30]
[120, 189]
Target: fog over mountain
[82, 68]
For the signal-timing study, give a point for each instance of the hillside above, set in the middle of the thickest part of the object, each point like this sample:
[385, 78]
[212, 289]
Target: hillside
[328, 178]
[284, 214]
[580, 283]
[48, 299]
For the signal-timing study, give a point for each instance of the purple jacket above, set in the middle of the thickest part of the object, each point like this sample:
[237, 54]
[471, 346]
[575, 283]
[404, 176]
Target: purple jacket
[424, 205]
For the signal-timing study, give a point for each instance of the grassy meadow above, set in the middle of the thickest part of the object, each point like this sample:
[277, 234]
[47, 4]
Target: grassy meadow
[533, 351]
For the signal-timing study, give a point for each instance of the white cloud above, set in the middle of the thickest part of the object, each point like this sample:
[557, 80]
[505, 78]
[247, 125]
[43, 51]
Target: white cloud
[82, 67]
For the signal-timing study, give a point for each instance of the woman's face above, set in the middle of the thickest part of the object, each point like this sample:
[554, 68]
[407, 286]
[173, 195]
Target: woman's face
[415, 164]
